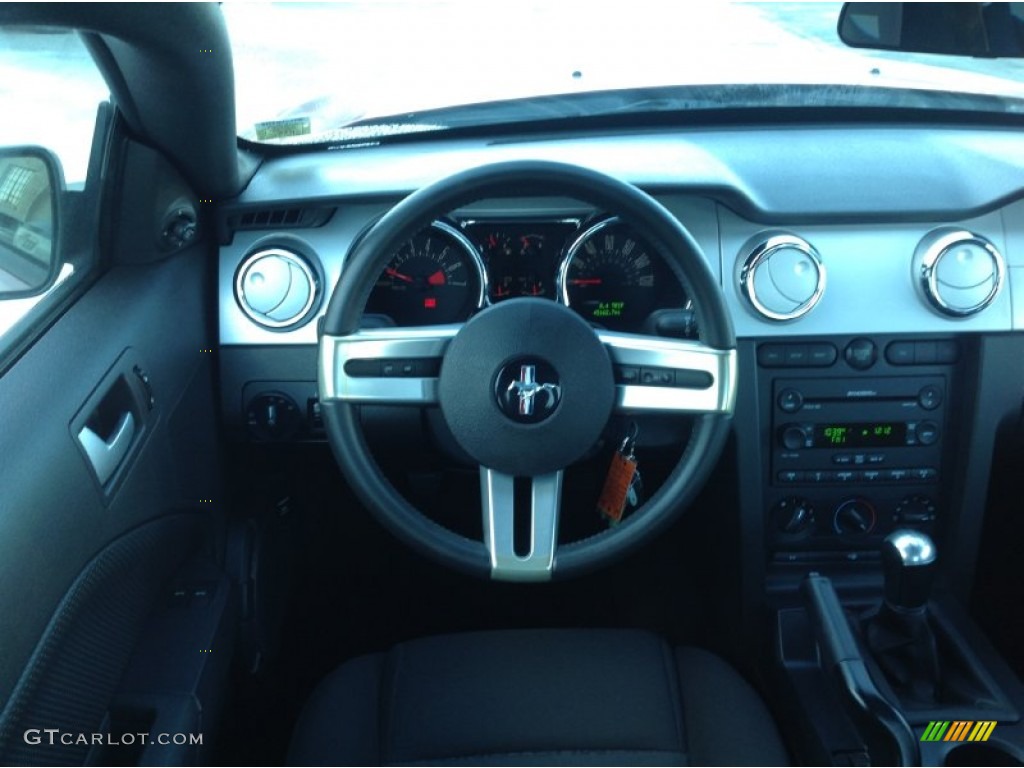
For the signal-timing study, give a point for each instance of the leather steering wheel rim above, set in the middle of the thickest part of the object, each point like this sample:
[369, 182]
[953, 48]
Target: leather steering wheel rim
[520, 179]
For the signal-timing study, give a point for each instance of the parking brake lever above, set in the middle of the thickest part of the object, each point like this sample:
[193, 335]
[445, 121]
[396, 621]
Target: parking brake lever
[889, 739]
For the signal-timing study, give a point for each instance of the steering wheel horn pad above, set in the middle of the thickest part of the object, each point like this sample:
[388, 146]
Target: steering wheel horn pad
[566, 416]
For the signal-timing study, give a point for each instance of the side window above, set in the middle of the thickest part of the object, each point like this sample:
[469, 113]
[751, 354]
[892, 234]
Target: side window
[50, 91]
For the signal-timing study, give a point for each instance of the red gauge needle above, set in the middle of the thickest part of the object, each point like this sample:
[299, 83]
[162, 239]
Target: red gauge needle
[586, 281]
[437, 278]
[395, 273]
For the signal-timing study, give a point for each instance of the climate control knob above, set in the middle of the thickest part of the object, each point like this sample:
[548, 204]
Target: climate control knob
[854, 517]
[915, 510]
[794, 515]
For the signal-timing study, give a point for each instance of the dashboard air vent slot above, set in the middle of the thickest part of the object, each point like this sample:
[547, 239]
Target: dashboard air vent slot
[279, 218]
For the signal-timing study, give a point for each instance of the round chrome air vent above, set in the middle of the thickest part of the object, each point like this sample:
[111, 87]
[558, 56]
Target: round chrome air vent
[782, 277]
[276, 288]
[958, 272]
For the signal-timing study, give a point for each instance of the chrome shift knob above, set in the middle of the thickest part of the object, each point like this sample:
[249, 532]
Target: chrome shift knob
[908, 565]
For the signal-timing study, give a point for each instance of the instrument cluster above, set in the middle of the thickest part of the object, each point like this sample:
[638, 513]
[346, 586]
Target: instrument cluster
[600, 267]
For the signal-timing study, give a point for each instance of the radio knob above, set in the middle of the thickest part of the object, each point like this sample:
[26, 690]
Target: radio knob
[795, 437]
[927, 433]
[790, 400]
[854, 517]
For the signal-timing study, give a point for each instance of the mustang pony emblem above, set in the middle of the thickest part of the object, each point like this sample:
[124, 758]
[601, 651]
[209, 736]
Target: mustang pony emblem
[526, 388]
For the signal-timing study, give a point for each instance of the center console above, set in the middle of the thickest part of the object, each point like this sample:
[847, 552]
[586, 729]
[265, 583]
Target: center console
[864, 451]
[859, 442]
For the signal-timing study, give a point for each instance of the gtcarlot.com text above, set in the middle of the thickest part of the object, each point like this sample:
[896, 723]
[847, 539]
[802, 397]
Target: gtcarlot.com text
[54, 736]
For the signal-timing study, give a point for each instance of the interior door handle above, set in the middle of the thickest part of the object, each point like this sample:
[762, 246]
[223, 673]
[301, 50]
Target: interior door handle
[106, 455]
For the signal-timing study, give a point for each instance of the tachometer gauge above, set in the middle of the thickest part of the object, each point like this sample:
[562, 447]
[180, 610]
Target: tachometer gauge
[435, 278]
[608, 276]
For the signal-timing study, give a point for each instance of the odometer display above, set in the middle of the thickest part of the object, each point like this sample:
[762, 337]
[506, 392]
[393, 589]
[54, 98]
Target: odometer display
[609, 276]
[433, 279]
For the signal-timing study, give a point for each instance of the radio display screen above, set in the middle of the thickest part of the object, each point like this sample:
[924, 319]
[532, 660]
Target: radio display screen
[862, 434]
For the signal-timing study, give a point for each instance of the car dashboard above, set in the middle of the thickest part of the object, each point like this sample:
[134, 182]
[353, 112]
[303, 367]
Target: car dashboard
[873, 273]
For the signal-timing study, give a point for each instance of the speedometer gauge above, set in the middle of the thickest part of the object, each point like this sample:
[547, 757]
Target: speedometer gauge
[608, 276]
[435, 278]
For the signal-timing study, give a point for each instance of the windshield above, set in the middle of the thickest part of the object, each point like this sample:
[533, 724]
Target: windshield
[352, 71]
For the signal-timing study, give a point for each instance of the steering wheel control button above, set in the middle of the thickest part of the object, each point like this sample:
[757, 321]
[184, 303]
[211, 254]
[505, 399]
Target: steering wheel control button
[959, 273]
[520, 422]
[782, 277]
[627, 374]
[861, 354]
[276, 288]
[528, 391]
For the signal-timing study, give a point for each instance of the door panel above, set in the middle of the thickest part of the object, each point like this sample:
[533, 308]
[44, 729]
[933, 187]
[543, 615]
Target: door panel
[77, 557]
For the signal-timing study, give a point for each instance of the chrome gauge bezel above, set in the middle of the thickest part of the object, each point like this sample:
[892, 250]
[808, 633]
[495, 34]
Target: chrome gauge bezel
[562, 276]
[475, 259]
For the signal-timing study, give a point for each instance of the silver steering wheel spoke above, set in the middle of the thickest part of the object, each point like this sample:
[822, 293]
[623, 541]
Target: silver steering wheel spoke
[670, 375]
[384, 366]
[497, 492]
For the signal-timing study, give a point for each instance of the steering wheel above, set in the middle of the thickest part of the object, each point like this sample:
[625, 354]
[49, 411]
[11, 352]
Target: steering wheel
[526, 386]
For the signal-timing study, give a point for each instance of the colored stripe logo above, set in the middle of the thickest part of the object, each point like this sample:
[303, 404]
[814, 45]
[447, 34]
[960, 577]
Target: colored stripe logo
[959, 730]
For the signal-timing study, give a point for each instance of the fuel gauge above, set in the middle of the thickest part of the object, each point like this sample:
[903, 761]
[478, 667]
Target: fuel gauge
[517, 264]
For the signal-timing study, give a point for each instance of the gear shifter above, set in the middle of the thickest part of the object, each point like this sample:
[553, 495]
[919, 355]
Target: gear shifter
[899, 635]
[908, 564]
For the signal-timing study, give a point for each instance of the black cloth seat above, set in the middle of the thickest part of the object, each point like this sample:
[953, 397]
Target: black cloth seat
[537, 697]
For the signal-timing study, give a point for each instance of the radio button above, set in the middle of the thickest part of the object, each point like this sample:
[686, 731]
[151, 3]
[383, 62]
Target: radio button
[861, 354]
[847, 476]
[946, 351]
[771, 355]
[821, 355]
[876, 458]
[790, 476]
[897, 475]
[926, 352]
[842, 458]
[930, 397]
[871, 475]
[900, 353]
[796, 355]
[790, 400]
[924, 473]
[927, 433]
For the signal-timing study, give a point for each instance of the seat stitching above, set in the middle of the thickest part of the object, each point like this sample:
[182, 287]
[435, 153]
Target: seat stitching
[675, 694]
[388, 696]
